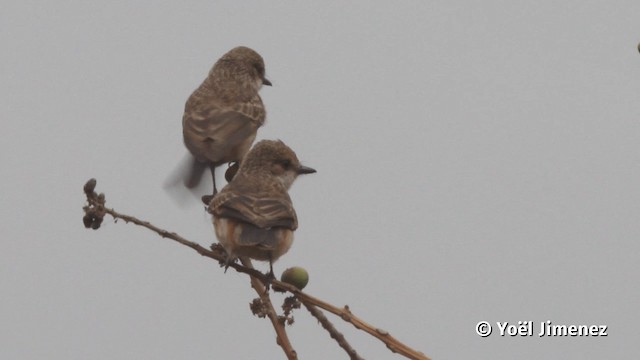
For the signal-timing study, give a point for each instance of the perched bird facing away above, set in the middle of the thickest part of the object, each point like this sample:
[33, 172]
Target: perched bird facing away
[223, 114]
[253, 215]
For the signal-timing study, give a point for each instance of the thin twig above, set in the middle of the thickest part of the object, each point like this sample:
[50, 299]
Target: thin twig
[333, 332]
[96, 208]
[345, 314]
[281, 334]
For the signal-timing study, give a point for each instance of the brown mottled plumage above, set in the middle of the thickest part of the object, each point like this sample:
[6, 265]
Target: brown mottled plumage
[253, 215]
[222, 116]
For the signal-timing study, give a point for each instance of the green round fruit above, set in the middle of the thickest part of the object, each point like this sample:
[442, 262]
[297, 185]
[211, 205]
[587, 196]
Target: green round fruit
[296, 276]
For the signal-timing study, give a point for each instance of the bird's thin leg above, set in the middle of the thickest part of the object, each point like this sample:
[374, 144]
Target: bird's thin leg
[206, 199]
[270, 275]
[213, 177]
[228, 262]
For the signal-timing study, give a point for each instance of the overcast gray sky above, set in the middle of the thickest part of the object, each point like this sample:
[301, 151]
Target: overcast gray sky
[477, 161]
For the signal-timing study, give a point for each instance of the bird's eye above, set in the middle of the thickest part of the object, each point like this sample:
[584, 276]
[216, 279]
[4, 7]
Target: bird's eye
[286, 163]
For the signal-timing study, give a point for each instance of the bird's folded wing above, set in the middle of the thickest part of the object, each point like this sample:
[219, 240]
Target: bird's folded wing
[219, 125]
[262, 211]
[217, 137]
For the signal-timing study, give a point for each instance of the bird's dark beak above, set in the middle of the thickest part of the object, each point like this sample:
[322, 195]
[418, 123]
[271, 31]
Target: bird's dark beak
[266, 81]
[305, 170]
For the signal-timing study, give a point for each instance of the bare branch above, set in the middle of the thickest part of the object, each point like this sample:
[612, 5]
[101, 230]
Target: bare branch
[96, 210]
[345, 314]
[282, 339]
[94, 214]
[335, 334]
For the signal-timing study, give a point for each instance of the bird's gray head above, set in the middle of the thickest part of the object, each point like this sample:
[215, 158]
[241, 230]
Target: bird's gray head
[241, 64]
[274, 159]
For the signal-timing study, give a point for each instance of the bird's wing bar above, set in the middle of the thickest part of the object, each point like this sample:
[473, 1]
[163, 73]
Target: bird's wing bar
[261, 211]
